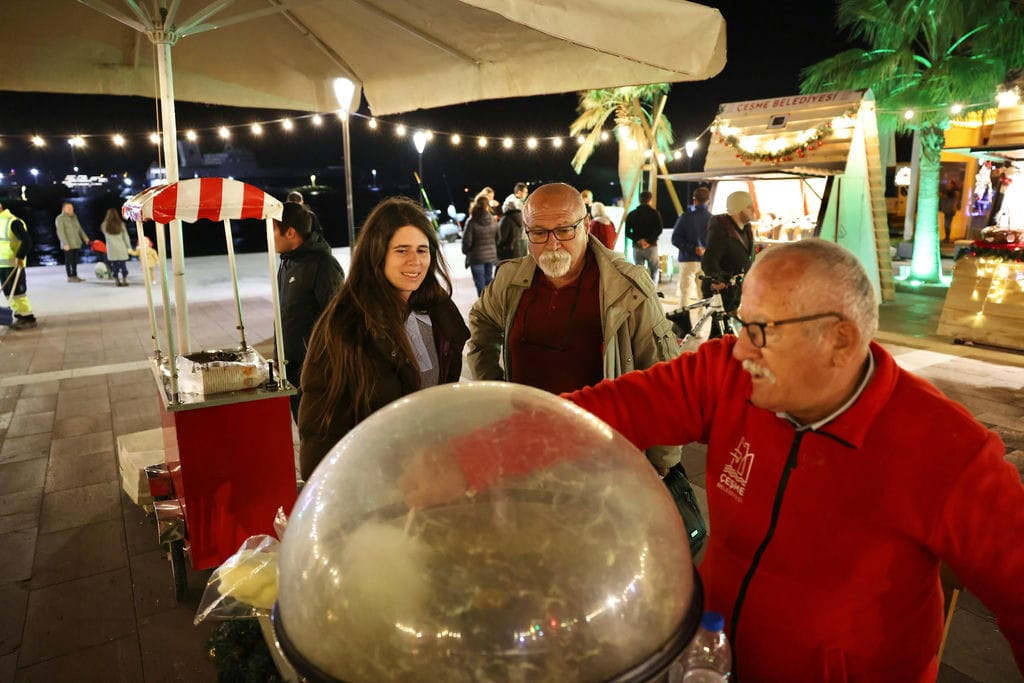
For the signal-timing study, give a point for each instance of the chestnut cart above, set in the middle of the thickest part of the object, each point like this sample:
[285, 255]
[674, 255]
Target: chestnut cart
[228, 457]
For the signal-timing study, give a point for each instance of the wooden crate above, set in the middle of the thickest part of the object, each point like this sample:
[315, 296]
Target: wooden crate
[985, 303]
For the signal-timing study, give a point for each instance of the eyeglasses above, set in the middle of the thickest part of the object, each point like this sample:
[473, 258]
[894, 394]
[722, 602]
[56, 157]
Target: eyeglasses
[562, 233]
[756, 331]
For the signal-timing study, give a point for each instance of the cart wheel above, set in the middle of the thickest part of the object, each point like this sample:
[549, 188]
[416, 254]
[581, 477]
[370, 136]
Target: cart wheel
[179, 569]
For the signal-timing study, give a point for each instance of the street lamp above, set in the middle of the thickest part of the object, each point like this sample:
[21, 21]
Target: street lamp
[345, 90]
[419, 139]
[374, 172]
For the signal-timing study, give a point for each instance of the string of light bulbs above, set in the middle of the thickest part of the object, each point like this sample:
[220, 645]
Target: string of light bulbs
[290, 124]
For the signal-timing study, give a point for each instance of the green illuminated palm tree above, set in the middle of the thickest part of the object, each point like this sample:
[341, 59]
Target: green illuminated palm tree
[924, 56]
[632, 107]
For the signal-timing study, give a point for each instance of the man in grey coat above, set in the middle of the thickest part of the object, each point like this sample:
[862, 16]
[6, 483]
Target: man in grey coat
[571, 312]
[72, 239]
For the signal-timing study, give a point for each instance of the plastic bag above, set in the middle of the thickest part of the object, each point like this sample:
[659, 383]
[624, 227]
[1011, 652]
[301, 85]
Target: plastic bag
[245, 586]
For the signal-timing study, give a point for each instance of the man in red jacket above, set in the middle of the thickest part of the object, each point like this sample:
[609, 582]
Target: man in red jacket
[837, 482]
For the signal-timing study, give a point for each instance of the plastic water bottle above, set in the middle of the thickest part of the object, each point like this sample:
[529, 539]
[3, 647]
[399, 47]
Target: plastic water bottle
[708, 658]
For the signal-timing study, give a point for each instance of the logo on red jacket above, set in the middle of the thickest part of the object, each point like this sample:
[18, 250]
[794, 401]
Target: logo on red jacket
[736, 473]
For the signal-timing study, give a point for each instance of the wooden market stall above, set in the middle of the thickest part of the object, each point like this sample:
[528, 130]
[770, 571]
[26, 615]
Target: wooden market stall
[985, 302]
[812, 164]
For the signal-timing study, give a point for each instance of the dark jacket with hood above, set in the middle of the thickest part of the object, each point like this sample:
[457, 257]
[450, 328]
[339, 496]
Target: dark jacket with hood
[308, 278]
[511, 235]
[395, 377]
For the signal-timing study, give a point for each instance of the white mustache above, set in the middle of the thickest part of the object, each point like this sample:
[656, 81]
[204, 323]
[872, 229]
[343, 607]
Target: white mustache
[555, 263]
[756, 370]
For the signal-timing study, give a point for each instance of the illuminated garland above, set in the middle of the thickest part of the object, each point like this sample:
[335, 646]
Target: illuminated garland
[1007, 253]
[806, 142]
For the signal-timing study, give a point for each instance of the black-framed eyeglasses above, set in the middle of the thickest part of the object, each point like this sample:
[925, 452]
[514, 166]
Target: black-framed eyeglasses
[562, 233]
[756, 332]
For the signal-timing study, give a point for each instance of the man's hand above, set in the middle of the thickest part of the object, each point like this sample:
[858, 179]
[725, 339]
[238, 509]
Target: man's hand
[431, 478]
[66, 248]
[699, 251]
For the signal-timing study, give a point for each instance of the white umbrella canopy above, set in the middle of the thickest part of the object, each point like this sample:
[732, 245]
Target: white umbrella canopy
[405, 54]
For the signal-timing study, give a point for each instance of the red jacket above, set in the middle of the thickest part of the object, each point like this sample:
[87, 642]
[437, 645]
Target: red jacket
[847, 588]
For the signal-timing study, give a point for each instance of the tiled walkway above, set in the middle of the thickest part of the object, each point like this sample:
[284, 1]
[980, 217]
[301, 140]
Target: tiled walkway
[85, 590]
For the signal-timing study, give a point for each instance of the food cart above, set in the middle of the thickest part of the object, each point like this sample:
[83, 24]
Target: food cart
[228, 454]
[812, 164]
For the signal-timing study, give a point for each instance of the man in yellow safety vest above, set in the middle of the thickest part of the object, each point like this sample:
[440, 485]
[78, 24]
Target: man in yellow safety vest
[15, 243]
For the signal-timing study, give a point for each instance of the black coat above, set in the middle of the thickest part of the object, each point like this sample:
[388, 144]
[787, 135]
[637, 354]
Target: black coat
[511, 237]
[395, 378]
[308, 278]
[730, 251]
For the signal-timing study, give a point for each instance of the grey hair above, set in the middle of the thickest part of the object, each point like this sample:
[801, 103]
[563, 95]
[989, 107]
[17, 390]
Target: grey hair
[833, 275]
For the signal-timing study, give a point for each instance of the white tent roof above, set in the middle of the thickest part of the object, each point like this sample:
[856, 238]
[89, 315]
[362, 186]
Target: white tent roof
[406, 54]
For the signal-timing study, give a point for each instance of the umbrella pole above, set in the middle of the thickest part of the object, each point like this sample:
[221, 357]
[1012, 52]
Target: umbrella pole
[144, 263]
[234, 281]
[172, 356]
[278, 335]
[163, 42]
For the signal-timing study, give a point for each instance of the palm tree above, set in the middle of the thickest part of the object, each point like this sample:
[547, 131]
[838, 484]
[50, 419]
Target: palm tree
[632, 108]
[924, 56]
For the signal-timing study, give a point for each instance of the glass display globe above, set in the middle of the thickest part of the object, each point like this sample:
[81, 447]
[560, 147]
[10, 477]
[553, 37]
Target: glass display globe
[562, 557]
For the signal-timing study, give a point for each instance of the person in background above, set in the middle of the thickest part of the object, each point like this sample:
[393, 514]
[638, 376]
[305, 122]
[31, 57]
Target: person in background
[570, 313]
[511, 239]
[72, 239]
[391, 329]
[488, 194]
[118, 246]
[837, 481]
[15, 245]
[296, 196]
[479, 243]
[689, 236]
[643, 226]
[602, 227]
[949, 205]
[588, 201]
[730, 249]
[308, 278]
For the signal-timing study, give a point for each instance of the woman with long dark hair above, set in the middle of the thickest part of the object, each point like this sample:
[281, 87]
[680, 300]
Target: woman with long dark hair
[391, 329]
[118, 246]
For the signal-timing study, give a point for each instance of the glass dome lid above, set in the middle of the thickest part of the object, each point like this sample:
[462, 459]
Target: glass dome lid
[558, 556]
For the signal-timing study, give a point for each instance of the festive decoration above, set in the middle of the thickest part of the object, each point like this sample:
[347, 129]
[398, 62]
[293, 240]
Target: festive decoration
[779, 149]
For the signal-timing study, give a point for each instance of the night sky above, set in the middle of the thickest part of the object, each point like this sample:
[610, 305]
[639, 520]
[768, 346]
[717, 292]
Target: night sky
[768, 44]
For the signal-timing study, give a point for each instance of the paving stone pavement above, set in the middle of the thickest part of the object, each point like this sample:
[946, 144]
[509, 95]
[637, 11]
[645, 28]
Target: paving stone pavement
[85, 590]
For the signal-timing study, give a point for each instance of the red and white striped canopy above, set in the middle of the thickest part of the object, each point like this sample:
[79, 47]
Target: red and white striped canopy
[215, 199]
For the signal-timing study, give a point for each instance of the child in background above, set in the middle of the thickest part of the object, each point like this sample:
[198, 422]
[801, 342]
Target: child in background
[118, 246]
[152, 259]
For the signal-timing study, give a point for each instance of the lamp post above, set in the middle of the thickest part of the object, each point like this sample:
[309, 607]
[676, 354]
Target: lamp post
[345, 90]
[419, 139]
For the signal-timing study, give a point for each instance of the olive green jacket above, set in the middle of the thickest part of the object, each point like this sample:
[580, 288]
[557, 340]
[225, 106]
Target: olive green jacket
[636, 333]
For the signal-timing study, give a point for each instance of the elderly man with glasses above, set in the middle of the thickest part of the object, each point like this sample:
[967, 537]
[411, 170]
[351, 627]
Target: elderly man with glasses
[837, 482]
[571, 312]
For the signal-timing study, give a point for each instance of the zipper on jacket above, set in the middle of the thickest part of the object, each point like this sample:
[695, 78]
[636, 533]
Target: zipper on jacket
[776, 508]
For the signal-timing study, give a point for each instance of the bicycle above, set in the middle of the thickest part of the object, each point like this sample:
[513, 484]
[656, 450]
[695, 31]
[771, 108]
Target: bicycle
[714, 314]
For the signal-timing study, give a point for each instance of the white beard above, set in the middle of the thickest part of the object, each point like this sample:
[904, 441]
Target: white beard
[555, 264]
[756, 370]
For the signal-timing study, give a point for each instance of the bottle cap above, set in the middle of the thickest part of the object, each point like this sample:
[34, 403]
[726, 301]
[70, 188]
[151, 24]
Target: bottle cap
[712, 621]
